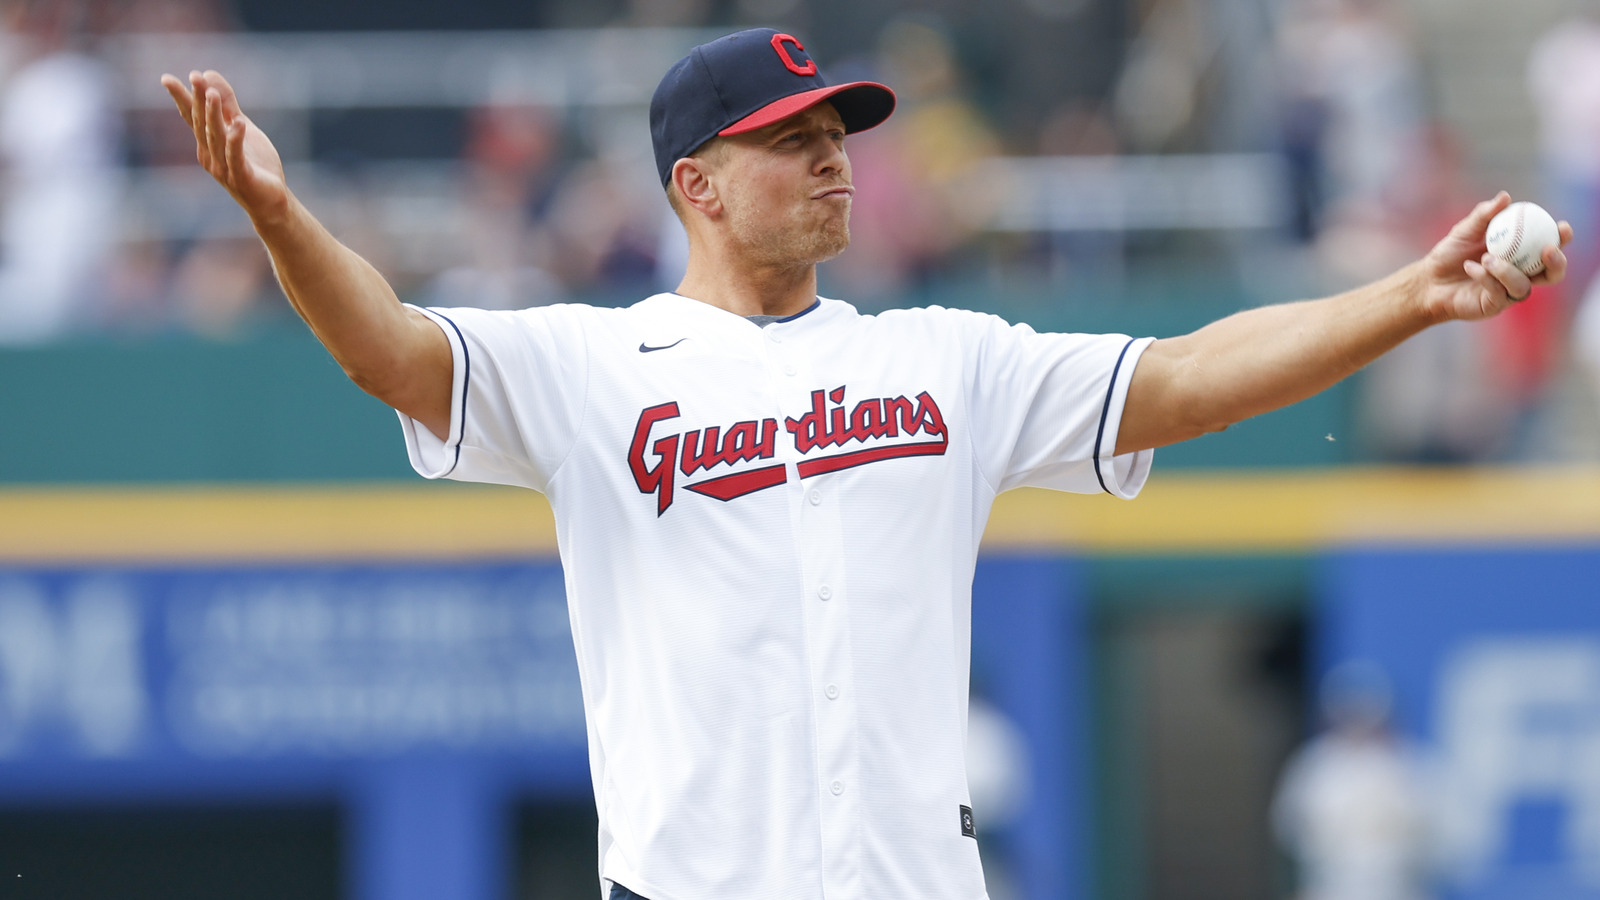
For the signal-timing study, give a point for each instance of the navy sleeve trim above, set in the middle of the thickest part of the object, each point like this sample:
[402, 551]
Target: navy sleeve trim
[1105, 413]
[466, 384]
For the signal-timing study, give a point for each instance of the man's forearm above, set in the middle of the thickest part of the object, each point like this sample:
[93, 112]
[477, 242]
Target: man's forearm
[349, 306]
[1262, 359]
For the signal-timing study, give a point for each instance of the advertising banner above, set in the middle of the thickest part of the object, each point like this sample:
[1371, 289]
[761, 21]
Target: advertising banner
[1494, 658]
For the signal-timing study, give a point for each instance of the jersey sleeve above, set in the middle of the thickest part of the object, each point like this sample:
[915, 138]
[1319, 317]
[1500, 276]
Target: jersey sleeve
[519, 380]
[1046, 408]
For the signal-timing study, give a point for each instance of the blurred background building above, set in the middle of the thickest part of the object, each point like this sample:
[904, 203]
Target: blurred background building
[240, 655]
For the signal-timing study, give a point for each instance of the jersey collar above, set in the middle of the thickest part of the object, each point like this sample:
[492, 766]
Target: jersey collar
[697, 314]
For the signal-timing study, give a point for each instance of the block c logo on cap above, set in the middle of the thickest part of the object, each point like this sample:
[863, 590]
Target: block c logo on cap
[778, 40]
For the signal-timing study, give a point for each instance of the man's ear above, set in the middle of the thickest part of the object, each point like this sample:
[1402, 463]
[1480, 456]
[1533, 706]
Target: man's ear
[692, 178]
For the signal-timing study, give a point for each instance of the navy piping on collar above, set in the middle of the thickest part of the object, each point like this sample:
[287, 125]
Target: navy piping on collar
[466, 382]
[814, 305]
[1105, 412]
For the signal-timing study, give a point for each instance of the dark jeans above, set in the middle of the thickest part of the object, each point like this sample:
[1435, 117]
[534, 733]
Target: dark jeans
[618, 892]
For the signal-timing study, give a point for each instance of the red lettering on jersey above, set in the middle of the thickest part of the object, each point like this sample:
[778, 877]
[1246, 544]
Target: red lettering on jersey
[877, 418]
[924, 417]
[829, 423]
[743, 444]
[692, 451]
[658, 480]
[704, 458]
[868, 419]
[738, 484]
[929, 417]
[896, 411]
[778, 41]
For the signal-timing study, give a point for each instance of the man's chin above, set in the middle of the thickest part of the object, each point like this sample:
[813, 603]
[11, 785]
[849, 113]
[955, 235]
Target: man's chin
[831, 241]
[806, 246]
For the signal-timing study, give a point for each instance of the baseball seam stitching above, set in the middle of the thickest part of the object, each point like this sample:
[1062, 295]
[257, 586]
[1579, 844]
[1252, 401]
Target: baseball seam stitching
[1516, 238]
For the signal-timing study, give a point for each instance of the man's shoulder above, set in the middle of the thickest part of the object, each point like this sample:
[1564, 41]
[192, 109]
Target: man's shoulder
[553, 315]
[940, 318]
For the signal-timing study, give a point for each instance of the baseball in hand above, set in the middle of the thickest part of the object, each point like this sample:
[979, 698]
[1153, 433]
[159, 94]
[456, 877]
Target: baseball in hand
[1519, 235]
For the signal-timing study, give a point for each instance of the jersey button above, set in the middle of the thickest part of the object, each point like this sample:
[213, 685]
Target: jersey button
[816, 497]
[833, 692]
[790, 370]
[776, 339]
[837, 787]
[825, 592]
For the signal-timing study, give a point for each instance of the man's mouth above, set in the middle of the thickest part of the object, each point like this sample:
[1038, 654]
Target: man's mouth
[842, 191]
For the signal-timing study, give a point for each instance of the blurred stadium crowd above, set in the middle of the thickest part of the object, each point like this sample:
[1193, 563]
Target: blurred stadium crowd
[1296, 145]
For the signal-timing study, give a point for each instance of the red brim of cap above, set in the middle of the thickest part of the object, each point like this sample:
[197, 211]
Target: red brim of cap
[864, 105]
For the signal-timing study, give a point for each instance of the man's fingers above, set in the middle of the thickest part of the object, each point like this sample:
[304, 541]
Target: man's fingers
[1490, 285]
[230, 102]
[180, 96]
[1564, 228]
[214, 131]
[197, 114]
[1510, 279]
[1555, 266]
[1479, 220]
[234, 151]
[1486, 280]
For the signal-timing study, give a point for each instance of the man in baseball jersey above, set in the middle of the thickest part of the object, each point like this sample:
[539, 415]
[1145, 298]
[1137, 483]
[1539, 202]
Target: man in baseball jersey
[769, 505]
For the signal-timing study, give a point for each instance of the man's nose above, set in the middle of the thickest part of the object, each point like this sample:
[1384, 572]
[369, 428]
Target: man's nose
[832, 160]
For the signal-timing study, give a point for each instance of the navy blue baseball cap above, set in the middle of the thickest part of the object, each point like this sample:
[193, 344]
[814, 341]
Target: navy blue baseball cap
[745, 81]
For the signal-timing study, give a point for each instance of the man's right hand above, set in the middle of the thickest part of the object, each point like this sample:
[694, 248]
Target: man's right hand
[393, 353]
[230, 146]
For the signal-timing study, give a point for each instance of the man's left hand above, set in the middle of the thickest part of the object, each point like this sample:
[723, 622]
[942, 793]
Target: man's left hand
[1465, 281]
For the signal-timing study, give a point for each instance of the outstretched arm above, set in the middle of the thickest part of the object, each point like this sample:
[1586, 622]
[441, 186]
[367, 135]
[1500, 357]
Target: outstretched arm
[1262, 359]
[394, 353]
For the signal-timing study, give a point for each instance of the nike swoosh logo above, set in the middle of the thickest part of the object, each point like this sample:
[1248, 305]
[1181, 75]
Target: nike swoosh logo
[644, 349]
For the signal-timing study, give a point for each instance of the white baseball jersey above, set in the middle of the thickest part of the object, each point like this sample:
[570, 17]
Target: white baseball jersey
[768, 537]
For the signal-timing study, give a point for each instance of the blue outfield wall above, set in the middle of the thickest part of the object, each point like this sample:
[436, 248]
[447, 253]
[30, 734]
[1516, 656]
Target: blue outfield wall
[1495, 659]
[426, 700]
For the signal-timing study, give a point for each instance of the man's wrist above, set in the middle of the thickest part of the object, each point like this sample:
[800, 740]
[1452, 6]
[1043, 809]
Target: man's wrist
[272, 220]
[1416, 289]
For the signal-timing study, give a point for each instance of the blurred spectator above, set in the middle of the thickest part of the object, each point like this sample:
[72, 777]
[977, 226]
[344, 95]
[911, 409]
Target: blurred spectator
[605, 230]
[1351, 806]
[1000, 782]
[59, 139]
[665, 13]
[914, 203]
[1158, 91]
[175, 267]
[220, 286]
[1586, 340]
[511, 169]
[1354, 113]
[1564, 84]
[1082, 128]
[1451, 394]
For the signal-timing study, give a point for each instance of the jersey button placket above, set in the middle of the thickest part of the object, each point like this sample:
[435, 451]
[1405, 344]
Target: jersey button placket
[824, 598]
[828, 617]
